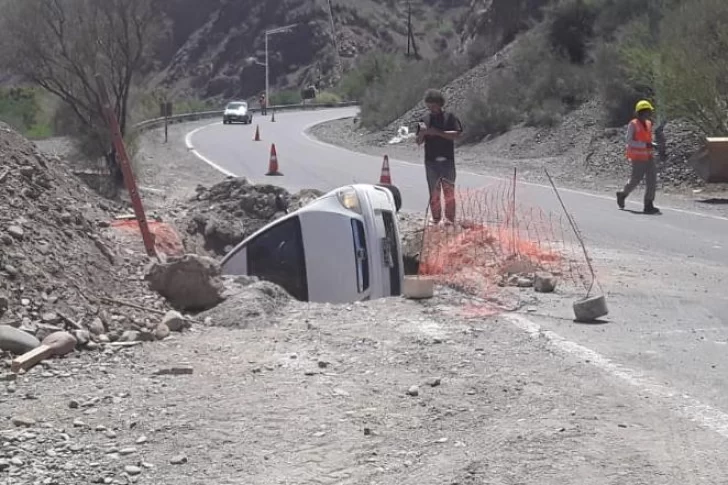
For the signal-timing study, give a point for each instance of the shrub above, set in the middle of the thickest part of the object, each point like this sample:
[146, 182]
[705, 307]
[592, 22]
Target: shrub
[486, 115]
[291, 96]
[494, 111]
[617, 90]
[402, 88]
[327, 97]
[571, 28]
[23, 109]
[370, 69]
[691, 79]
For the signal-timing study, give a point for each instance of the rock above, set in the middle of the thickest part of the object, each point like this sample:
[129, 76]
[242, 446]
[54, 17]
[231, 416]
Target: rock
[178, 460]
[83, 337]
[4, 304]
[413, 391]
[191, 282]
[73, 404]
[51, 318]
[175, 371]
[63, 342]
[544, 283]
[147, 336]
[97, 327]
[175, 321]
[161, 332]
[4, 464]
[141, 440]
[132, 470]
[16, 341]
[127, 451]
[434, 381]
[16, 232]
[22, 422]
[524, 282]
[129, 336]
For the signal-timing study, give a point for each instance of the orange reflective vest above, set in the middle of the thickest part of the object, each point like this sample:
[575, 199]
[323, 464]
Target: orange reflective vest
[638, 146]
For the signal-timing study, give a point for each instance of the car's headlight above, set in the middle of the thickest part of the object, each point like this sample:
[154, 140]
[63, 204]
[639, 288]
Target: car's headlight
[349, 199]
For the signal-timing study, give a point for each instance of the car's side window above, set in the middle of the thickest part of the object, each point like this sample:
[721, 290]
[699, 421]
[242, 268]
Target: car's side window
[277, 255]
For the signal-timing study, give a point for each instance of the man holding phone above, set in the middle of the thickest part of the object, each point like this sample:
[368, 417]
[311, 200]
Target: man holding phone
[438, 130]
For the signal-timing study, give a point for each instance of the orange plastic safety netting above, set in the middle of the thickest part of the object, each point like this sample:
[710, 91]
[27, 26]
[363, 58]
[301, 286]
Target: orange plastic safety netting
[166, 239]
[497, 242]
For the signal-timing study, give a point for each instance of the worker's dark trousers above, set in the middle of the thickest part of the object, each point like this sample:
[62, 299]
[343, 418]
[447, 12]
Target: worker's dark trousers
[441, 177]
[263, 110]
[643, 170]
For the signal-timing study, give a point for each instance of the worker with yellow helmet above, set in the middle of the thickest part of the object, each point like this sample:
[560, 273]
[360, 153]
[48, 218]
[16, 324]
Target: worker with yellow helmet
[640, 153]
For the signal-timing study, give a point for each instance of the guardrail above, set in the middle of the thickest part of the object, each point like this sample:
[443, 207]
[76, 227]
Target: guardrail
[199, 115]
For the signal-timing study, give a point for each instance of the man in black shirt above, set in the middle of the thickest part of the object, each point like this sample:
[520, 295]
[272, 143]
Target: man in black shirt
[438, 130]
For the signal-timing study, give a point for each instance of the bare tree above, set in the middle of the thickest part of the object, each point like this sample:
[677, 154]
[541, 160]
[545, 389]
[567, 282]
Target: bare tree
[61, 44]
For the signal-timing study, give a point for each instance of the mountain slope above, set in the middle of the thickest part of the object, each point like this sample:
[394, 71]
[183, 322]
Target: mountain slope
[209, 42]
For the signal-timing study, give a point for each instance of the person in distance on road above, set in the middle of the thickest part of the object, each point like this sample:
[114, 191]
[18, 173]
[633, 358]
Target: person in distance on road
[640, 153]
[438, 130]
[263, 104]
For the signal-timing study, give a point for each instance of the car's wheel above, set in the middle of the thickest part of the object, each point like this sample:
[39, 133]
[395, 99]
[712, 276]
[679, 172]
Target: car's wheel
[395, 193]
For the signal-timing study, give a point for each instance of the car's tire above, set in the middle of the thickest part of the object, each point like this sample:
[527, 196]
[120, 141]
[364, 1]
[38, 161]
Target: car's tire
[395, 193]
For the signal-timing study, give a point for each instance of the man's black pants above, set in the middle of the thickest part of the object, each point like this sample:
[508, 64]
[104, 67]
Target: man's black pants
[441, 177]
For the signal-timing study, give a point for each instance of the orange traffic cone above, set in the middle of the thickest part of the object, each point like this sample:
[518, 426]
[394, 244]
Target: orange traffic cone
[273, 117]
[273, 163]
[385, 177]
[257, 133]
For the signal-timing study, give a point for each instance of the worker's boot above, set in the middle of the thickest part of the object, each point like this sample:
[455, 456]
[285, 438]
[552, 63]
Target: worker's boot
[621, 197]
[650, 208]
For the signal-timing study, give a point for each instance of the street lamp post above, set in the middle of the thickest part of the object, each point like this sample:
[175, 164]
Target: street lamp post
[277, 30]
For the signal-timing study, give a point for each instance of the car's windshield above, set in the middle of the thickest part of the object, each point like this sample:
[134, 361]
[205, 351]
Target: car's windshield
[237, 105]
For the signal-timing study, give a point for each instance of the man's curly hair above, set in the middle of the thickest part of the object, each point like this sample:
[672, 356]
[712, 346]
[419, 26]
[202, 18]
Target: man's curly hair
[435, 96]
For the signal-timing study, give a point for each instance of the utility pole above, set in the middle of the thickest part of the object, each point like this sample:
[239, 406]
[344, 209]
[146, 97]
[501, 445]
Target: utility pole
[278, 30]
[409, 26]
[337, 69]
[655, 18]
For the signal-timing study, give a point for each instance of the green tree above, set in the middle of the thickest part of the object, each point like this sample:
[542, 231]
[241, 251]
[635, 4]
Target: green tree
[60, 45]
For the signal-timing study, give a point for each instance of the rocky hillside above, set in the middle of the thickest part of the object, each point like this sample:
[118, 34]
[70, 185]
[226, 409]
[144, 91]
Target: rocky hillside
[208, 42]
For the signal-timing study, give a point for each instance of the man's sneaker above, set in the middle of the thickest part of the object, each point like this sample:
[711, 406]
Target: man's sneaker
[434, 222]
[651, 209]
[621, 197]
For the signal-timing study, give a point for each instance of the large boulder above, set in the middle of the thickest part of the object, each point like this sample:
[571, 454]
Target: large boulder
[190, 283]
[16, 341]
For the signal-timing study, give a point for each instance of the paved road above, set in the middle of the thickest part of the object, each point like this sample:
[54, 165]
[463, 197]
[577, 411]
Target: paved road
[665, 276]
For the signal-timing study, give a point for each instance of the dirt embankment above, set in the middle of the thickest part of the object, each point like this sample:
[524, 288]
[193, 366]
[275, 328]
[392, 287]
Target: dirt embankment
[60, 261]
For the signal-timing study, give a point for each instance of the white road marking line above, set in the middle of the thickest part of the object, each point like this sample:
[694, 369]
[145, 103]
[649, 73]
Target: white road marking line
[531, 184]
[689, 407]
[190, 147]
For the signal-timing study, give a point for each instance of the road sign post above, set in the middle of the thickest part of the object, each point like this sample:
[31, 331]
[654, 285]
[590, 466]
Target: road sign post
[123, 159]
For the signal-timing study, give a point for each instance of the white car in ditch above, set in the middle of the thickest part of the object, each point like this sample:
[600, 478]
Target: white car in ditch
[343, 247]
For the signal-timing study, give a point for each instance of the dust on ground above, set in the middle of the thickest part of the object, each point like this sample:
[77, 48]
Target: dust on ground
[390, 392]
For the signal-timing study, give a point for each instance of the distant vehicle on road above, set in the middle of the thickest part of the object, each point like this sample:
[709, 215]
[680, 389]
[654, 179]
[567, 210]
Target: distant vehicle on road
[343, 247]
[237, 111]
